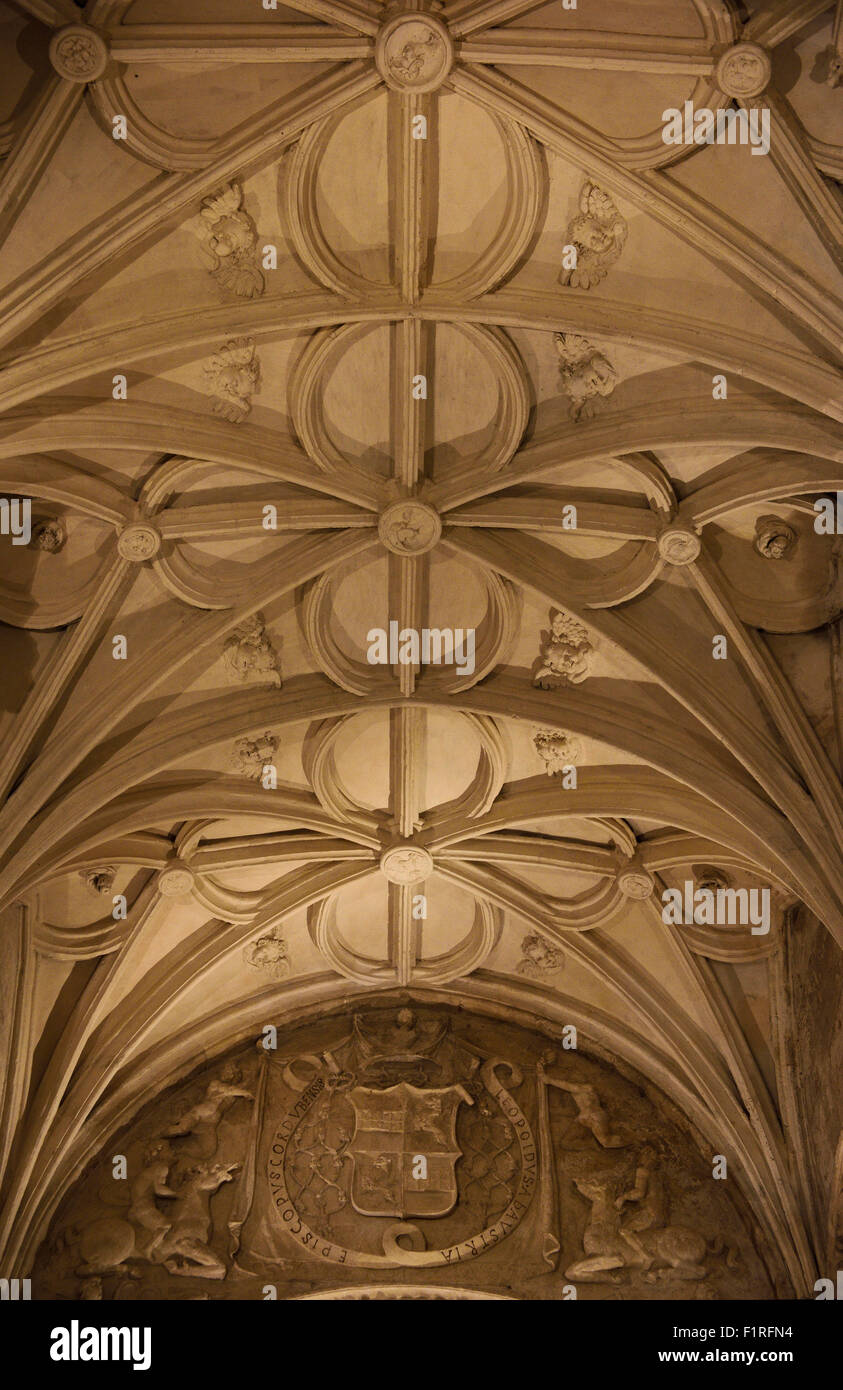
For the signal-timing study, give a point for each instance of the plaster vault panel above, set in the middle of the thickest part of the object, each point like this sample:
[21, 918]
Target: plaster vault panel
[397, 617]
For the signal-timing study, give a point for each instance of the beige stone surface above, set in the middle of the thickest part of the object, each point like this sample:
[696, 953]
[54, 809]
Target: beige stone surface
[408, 612]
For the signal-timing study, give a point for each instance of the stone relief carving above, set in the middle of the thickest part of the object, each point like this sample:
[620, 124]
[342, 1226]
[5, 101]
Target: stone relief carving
[586, 374]
[640, 1239]
[710, 878]
[49, 535]
[99, 880]
[679, 545]
[298, 1167]
[409, 528]
[107, 1244]
[269, 954]
[233, 377]
[414, 52]
[599, 234]
[176, 1238]
[406, 864]
[248, 653]
[202, 1119]
[78, 53]
[540, 960]
[557, 749]
[185, 1249]
[565, 653]
[774, 538]
[178, 1241]
[410, 61]
[591, 1113]
[744, 70]
[138, 542]
[252, 755]
[402, 1089]
[228, 240]
[635, 881]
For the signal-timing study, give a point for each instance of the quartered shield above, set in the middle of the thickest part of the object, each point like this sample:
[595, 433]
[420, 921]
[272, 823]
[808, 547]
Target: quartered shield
[395, 1128]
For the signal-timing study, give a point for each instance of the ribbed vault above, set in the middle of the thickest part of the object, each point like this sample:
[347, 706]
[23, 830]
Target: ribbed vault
[359, 387]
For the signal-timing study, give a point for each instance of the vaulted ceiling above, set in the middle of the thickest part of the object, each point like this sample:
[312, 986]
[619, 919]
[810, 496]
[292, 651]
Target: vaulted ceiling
[291, 351]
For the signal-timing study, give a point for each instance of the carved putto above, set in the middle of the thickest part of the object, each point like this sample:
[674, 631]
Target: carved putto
[99, 880]
[586, 373]
[269, 954]
[249, 655]
[599, 233]
[233, 377]
[49, 535]
[251, 755]
[540, 960]
[565, 654]
[557, 749]
[229, 238]
[774, 538]
[710, 878]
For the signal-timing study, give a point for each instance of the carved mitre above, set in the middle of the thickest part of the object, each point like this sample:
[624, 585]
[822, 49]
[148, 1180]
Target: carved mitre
[400, 1047]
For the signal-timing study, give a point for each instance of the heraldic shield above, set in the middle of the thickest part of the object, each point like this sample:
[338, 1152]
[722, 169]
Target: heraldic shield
[393, 1129]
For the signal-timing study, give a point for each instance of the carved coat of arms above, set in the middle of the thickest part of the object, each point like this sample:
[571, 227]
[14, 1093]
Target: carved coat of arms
[404, 1149]
[402, 1121]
